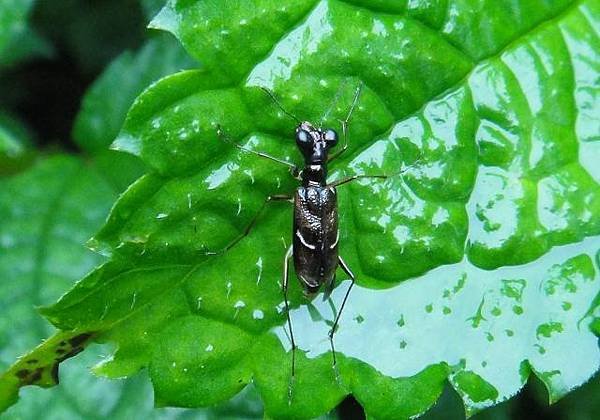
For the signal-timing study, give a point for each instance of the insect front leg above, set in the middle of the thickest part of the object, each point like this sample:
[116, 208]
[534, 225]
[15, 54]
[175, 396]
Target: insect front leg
[286, 267]
[354, 178]
[270, 199]
[376, 176]
[350, 274]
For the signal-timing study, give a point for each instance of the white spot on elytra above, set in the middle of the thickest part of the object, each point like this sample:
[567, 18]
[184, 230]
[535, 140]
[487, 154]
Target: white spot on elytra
[303, 242]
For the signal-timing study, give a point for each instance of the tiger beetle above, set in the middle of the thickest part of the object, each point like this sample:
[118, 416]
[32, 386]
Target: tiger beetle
[315, 229]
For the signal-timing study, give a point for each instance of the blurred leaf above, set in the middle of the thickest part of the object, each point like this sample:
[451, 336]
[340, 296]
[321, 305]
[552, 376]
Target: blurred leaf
[15, 142]
[13, 18]
[105, 105]
[18, 41]
[47, 214]
[478, 265]
[91, 33]
[152, 7]
[583, 403]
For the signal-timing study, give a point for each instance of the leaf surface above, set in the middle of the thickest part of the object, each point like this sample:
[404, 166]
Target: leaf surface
[478, 265]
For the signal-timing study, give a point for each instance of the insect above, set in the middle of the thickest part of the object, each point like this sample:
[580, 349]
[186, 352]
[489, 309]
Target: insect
[316, 234]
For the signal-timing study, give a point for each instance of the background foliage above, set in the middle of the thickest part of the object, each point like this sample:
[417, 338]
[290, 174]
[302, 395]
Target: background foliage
[59, 181]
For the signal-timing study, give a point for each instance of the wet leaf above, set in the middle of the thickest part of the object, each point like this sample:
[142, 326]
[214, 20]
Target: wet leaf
[479, 264]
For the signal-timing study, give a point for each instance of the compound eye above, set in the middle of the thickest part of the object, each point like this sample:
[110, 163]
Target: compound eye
[330, 137]
[303, 137]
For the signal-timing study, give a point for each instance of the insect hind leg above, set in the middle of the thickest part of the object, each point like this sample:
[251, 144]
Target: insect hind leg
[286, 267]
[333, 329]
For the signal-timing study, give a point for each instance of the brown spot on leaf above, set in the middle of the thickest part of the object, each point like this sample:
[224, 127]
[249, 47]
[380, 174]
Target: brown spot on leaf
[79, 339]
[54, 372]
[75, 351]
[32, 361]
[23, 373]
[37, 375]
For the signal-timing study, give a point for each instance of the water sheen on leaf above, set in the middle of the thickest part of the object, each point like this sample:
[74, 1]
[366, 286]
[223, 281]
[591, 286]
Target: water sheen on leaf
[479, 264]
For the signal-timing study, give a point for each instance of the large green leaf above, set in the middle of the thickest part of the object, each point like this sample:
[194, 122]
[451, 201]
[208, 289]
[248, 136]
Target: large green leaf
[479, 264]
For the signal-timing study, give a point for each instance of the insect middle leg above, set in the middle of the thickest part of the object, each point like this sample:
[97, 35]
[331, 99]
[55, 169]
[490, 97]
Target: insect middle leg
[350, 274]
[270, 199]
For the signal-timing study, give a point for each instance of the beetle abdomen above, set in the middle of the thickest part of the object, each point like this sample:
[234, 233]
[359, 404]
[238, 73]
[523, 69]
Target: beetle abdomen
[316, 236]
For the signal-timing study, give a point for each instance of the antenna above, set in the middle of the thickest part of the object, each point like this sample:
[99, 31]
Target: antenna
[333, 103]
[274, 99]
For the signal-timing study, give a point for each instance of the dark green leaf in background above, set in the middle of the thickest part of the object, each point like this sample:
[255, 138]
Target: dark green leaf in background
[152, 7]
[15, 144]
[478, 265]
[91, 32]
[47, 213]
[18, 41]
[103, 110]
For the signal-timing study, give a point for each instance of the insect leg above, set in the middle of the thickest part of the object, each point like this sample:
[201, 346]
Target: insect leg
[379, 176]
[350, 274]
[293, 168]
[252, 223]
[345, 123]
[286, 266]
